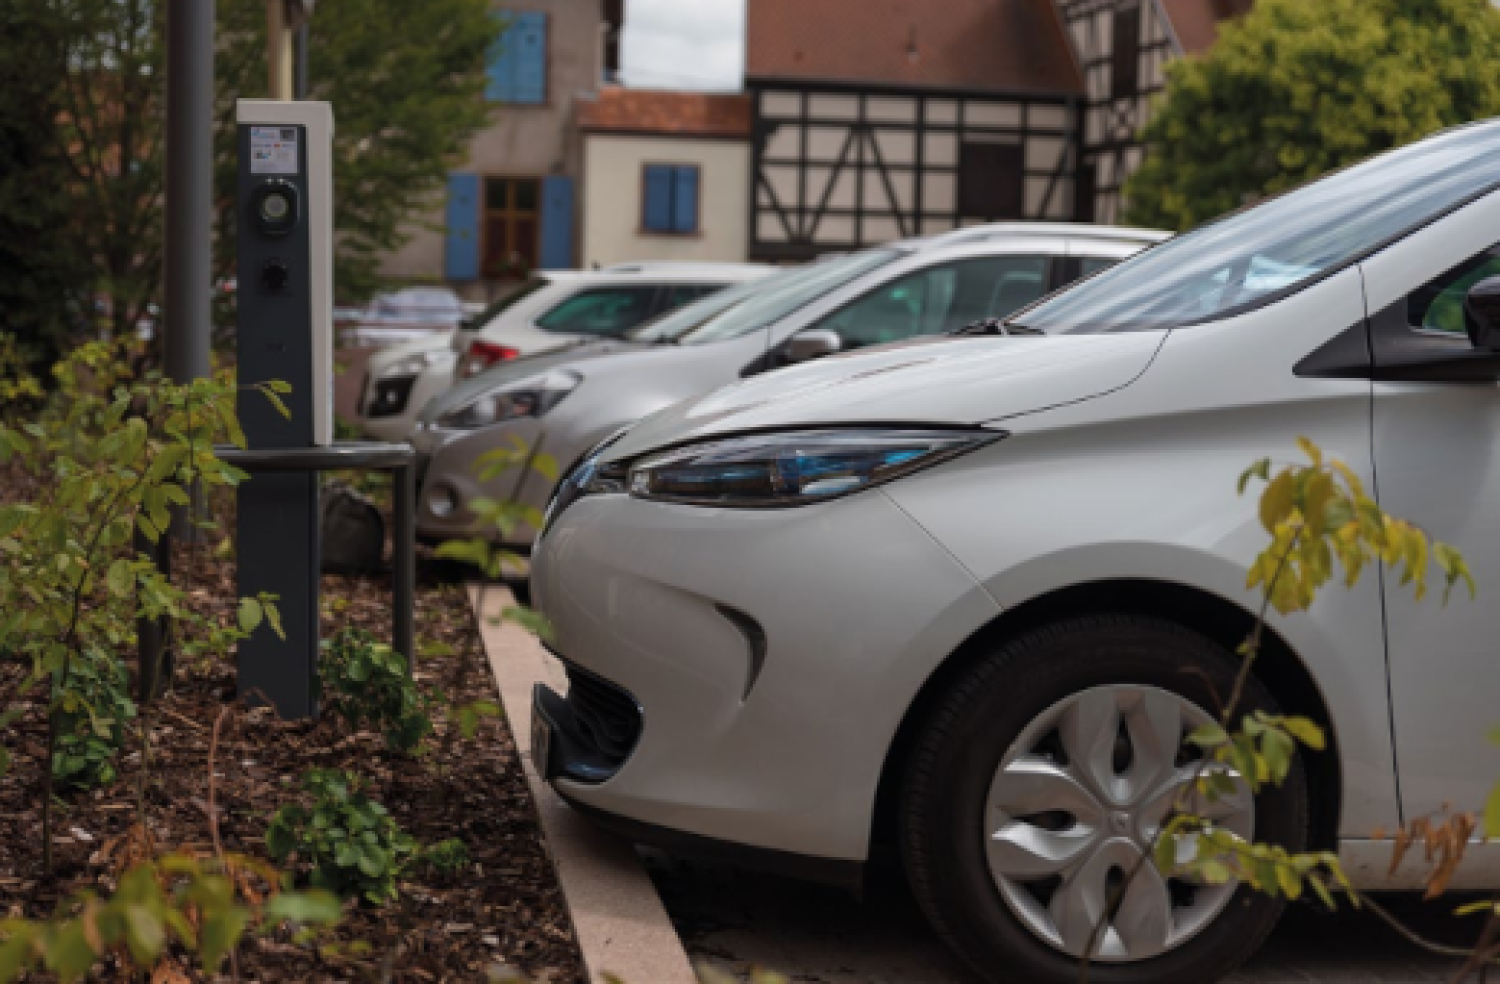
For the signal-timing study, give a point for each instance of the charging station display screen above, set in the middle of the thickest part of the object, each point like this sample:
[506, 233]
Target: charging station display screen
[273, 150]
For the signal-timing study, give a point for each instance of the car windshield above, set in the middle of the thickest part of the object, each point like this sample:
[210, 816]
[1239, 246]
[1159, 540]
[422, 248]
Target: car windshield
[1258, 254]
[672, 325]
[774, 300]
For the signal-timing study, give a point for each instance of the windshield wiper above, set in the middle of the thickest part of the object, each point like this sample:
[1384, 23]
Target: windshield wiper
[995, 326]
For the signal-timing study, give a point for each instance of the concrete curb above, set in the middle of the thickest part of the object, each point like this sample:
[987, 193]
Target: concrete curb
[620, 922]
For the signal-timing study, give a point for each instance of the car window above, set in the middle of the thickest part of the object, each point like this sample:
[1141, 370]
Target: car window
[602, 311]
[1439, 304]
[672, 325]
[676, 295]
[940, 299]
[806, 284]
[1268, 250]
[496, 308]
[1090, 265]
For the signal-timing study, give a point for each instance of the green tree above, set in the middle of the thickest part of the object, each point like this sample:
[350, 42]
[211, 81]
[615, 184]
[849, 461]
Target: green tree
[1296, 89]
[82, 106]
[37, 275]
[406, 81]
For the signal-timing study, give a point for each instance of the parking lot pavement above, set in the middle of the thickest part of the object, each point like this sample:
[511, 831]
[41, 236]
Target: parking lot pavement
[734, 920]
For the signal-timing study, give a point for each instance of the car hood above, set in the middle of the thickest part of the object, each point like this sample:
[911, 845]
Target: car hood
[942, 380]
[525, 367]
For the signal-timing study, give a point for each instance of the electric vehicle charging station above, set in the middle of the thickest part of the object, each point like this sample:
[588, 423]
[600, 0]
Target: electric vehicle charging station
[285, 332]
[285, 308]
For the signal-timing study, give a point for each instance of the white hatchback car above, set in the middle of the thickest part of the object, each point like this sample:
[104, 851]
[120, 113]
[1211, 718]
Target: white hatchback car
[963, 598]
[550, 311]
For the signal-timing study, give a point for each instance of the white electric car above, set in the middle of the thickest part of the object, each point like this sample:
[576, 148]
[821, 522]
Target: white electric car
[551, 311]
[964, 597]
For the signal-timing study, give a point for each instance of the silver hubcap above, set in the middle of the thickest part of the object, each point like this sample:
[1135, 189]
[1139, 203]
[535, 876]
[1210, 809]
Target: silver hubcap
[1074, 807]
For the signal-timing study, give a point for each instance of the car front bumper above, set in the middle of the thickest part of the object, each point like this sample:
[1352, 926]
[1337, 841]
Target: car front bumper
[773, 655]
[388, 408]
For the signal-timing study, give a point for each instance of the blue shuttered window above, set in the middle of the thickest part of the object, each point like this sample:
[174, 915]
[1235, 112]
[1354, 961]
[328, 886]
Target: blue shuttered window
[518, 62]
[461, 255]
[557, 223]
[670, 198]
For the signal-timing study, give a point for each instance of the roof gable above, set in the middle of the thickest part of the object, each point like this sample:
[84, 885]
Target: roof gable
[994, 45]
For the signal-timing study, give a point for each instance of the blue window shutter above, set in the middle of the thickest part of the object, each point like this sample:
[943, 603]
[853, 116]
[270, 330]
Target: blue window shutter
[658, 210]
[502, 62]
[530, 50]
[461, 257]
[685, 200]
[557, 223]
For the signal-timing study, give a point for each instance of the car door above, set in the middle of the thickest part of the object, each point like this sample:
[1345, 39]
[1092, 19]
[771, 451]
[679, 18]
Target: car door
[1437, 464]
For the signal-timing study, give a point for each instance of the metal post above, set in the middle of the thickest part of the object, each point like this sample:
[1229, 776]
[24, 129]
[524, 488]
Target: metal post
[403, 561]
[301, 83]
[189, 186]
[278, 51]
[187, 252]
[155, 669]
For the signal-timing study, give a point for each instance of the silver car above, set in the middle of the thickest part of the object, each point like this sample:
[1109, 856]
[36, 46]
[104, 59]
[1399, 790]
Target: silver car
[562, 405]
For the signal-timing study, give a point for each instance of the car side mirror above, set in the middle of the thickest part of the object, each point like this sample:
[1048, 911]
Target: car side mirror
[820, 342]
[1482, 314]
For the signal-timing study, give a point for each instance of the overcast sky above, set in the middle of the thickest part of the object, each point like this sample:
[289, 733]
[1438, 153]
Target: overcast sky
[684, 44]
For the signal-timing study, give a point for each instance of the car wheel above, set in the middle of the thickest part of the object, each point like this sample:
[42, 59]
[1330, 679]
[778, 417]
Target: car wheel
[1037, 784]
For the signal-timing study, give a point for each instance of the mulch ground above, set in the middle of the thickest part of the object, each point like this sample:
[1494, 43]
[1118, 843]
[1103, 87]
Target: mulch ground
[505, 911]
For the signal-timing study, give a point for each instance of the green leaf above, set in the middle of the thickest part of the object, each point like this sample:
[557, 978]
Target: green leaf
[144, 934]
[1305, 731]
[1492, 814]
[1208, 736]
[273, 616]
[305, 908]
[250, 614]
[120, 579]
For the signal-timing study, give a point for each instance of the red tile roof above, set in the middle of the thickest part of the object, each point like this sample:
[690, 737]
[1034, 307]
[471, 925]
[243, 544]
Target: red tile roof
[1196, 22]
[956, 44]
[677, 113]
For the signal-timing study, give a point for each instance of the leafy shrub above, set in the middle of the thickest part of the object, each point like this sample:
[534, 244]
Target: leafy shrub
[178, 896]
[368, 683]
[353, 844]
[91, 717]
[446, 858]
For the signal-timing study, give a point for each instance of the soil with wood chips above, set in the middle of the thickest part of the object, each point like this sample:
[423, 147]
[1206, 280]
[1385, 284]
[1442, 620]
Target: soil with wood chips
[501, 918]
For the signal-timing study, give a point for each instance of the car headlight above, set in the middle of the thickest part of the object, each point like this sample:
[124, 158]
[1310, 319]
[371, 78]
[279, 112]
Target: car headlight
[794, 468]
[590, 477]
[410, 365]
[524, 398]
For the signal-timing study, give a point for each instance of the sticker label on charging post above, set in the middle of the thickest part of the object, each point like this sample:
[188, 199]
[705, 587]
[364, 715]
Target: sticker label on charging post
[273, 150]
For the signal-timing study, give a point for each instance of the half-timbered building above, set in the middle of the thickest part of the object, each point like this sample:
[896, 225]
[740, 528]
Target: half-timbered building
[878, 119]
[1122, 48]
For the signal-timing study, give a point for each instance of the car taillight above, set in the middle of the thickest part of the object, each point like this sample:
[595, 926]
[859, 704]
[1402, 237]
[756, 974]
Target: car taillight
[484, 354]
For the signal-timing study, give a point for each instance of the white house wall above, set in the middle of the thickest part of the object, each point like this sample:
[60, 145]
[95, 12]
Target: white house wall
[612, 199]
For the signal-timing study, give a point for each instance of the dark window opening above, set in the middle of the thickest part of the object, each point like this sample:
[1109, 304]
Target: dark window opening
[614, 26]
[512, 227]
[1126, 54]
[991, 181]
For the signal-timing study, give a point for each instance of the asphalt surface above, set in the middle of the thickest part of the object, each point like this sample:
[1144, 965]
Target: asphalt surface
[735, 920]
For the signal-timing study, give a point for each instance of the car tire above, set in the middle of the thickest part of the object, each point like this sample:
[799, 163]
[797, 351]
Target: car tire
[953, 779]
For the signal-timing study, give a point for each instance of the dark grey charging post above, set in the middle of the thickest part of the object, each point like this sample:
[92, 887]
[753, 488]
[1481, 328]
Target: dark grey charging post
[285, 332]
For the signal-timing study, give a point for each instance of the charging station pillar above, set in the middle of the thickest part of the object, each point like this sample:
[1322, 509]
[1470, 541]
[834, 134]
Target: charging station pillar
[284, 293]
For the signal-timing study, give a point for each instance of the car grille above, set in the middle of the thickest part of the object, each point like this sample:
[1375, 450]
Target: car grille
[607, 718]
